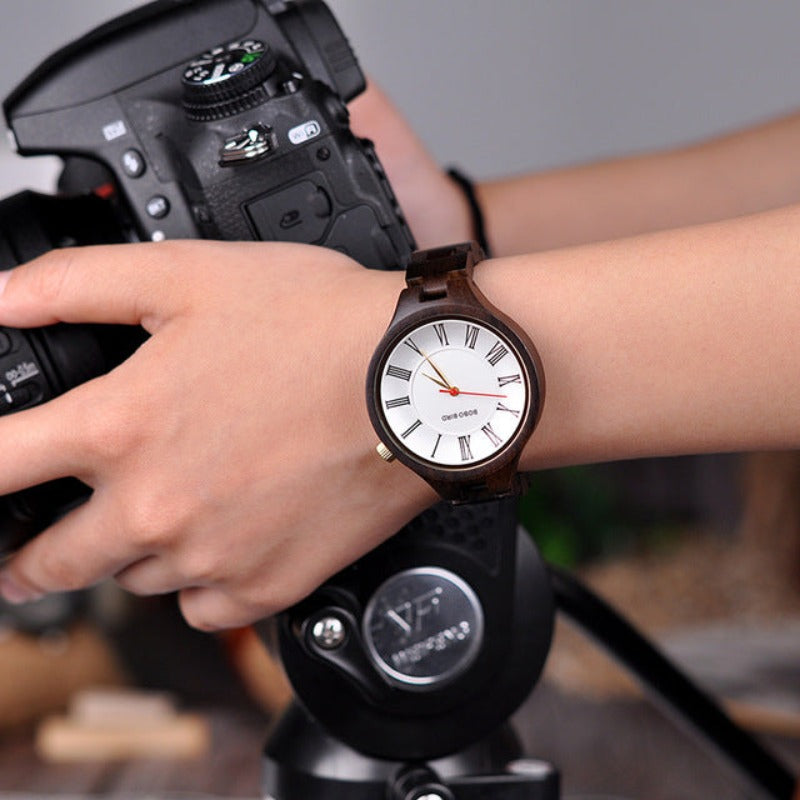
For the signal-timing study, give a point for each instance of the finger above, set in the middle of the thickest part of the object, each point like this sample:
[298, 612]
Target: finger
[47, 442]
[126, 284]
[74, 553]
[212, 609]
[151, 575]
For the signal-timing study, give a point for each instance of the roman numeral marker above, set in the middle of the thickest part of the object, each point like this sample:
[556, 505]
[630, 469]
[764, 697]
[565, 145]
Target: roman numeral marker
[399, 401]
[410, 429]
[436, 446]
[398, 372]
[506, 379]
[497, 353]
[493, 437]
[413, 345]
[466, 451]
[471, 338]
[441, 333]
[501, 407]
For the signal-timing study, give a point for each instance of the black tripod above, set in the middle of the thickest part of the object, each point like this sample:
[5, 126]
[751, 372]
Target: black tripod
[408, 664]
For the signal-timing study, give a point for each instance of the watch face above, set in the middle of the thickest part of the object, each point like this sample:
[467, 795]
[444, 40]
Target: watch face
[453, 392]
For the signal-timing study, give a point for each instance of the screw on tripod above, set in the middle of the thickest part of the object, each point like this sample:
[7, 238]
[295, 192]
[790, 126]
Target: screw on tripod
[329, 632]
[435, 792]
[419, 783]
[530, 767]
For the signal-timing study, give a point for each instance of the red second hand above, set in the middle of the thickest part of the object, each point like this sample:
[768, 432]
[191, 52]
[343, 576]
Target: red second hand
[455, 391]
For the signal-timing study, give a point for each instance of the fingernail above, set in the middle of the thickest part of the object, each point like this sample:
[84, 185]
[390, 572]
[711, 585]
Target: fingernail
[12, 592]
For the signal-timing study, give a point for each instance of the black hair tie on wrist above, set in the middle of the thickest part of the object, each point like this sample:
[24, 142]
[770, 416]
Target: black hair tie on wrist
[478, 226]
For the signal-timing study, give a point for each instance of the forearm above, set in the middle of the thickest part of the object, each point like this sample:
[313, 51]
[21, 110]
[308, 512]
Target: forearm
[675, 342]
[746, 172]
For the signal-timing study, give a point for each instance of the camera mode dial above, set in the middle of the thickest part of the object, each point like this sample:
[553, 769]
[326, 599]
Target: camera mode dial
[227, 79]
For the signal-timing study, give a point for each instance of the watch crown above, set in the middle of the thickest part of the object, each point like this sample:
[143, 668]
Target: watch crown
[384, 452]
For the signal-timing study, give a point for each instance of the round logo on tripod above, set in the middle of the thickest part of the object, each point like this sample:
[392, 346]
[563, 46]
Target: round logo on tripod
[423, 627]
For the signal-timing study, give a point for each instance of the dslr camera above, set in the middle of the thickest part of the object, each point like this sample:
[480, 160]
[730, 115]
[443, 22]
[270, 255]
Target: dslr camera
[216, 119]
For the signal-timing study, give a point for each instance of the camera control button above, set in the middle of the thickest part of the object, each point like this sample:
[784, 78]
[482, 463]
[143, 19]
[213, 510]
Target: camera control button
[19, 397]
[158, 206]
[23, 395]
[133, 163]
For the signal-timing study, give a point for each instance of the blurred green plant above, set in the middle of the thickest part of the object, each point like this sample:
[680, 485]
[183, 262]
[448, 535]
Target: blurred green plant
[577, 514]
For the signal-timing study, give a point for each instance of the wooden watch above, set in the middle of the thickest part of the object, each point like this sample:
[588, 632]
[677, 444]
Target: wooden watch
[455, 388]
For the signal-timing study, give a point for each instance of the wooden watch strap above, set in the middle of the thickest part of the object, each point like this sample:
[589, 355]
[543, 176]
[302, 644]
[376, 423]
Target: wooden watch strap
[432, 272]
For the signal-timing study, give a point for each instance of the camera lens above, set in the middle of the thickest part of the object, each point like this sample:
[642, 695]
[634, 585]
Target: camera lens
[37, 364]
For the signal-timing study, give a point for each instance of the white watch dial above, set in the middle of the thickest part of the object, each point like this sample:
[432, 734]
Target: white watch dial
[454, 392]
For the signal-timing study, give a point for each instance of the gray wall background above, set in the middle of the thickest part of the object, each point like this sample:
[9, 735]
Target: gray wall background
[513, 85]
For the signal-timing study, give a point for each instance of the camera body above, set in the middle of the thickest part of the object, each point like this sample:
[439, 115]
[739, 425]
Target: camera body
[220, 119]
[183, 119]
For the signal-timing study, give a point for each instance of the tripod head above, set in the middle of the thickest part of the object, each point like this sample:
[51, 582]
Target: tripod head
[430, 642]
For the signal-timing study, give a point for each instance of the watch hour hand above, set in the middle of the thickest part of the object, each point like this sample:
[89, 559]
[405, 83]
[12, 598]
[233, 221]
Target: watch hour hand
[436, 369]
[437, 381]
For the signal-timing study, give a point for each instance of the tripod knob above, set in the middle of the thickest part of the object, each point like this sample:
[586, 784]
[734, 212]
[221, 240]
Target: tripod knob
[423, 627]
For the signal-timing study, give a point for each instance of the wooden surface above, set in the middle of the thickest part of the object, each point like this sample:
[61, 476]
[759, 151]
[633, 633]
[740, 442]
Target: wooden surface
[623, 748]
[627, 748]
[233, 768]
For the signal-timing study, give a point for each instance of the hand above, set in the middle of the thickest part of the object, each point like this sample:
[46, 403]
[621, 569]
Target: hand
[231, 456]
[435, 207]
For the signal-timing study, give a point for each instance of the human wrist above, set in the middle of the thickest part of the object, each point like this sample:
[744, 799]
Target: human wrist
[407, 493]
[442, 214]
[470, 192]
